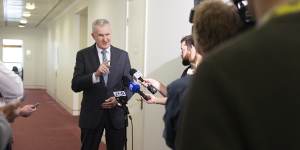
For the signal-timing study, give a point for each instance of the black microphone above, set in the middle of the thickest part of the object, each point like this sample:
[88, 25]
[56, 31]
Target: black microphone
[135, 88]
[138, 76]
[121, 97]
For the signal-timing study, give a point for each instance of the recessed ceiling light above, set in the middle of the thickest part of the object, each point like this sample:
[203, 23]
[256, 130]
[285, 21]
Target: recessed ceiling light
[23, 21]
[26, 14]
[30, 6]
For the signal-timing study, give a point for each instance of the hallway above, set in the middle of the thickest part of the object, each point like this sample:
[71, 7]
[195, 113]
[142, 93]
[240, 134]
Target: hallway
[50, 128]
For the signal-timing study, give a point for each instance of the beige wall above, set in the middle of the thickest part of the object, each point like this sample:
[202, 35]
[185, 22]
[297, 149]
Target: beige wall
[63, 44]
[167, 23]
[115, 12]
[34, 65]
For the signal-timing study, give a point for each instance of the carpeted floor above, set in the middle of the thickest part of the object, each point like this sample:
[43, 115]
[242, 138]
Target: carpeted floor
[49, 128]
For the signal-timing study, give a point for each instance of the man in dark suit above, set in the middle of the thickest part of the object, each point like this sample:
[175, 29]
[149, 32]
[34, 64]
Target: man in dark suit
[245, 95]
[99, 71]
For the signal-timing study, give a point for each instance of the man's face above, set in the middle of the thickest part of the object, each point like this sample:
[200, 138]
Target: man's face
[102, 36]
[185, 54]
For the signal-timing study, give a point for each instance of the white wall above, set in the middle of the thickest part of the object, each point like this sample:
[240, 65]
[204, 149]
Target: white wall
[115, 12]
[63, 44]
[167, 23]
[34, 39]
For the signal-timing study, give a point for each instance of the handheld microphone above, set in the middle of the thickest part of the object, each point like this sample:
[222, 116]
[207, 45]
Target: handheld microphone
[135, 88]
[138, 76]
[121, 97]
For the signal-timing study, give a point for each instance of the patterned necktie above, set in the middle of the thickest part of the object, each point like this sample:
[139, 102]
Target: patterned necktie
[104, 59]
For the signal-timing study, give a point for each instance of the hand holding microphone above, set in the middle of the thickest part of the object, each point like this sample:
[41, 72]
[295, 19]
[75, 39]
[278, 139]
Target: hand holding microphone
[135, 88]
[138, 76]
[157, 84]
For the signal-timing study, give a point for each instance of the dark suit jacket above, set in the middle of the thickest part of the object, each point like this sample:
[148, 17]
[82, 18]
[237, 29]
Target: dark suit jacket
[87, 62]
[246, 95]
[176, 93]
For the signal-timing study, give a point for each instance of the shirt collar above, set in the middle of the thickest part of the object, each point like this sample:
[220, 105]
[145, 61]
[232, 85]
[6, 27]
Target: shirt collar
[100, 49]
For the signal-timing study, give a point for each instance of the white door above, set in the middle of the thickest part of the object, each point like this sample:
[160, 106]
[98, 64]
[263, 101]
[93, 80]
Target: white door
[135, 45]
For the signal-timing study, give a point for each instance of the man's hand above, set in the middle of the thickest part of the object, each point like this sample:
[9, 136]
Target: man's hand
[154, 82]
[158, 85]
[156, 100]
[103, 69]
[110, 103]
[26, 110]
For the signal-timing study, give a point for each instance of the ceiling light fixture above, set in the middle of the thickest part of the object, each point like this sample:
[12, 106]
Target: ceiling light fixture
[23, 21]
[30, 6]
[26, 14]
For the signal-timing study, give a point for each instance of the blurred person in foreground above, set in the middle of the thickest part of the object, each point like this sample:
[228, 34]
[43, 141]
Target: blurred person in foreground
[245, 94]
[11, 95]
[228, 25]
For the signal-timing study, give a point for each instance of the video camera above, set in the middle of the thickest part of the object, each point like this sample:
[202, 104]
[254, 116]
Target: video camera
[242, 7]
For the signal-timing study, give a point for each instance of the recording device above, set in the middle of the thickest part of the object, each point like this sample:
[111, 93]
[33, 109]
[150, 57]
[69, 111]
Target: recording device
[245, 14]
[191, 17]
[243, 10]
[138, 76]
[121, 97]
[135, 88]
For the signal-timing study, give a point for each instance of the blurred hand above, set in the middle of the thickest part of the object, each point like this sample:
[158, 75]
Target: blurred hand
[103, 69]
[152, 100]
[158, 85]
[10, 111]
[156, 100]
[26, 110]
[109, 103]
[154, 82]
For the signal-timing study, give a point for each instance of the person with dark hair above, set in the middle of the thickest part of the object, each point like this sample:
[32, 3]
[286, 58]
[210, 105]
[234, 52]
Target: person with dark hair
[15, 70]
[187, 45]
[173, 93]
[100, 70]
[245, 94]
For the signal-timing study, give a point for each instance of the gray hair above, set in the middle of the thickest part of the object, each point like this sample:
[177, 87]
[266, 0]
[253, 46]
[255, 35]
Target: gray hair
[99, 22]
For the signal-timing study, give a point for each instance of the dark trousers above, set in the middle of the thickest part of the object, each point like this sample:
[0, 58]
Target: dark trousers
[91, 138]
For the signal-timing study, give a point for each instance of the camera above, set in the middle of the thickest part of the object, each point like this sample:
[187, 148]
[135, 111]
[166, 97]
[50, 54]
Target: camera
[243, 10]
[245, 14]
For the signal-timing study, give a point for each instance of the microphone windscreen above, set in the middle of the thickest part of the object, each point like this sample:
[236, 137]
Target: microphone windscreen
[132, 71]
[134, 87]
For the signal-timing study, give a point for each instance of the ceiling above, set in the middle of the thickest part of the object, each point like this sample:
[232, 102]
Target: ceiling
[45, 10]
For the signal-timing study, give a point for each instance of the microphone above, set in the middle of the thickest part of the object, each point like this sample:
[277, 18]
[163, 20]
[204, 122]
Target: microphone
[121, 97]
[138, 76]
[135, 88]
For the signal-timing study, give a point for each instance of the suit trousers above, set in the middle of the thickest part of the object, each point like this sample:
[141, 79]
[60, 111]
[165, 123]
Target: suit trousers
[115, 138]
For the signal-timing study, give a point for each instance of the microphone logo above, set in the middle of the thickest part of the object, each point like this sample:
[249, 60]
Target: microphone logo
[119, 93]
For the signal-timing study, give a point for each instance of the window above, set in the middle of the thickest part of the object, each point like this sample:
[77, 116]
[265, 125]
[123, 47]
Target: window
[12, 53]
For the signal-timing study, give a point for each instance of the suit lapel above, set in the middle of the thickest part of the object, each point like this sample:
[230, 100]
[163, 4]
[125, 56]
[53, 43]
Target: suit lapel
[95, 60]
[95, 57]
[112, 70]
